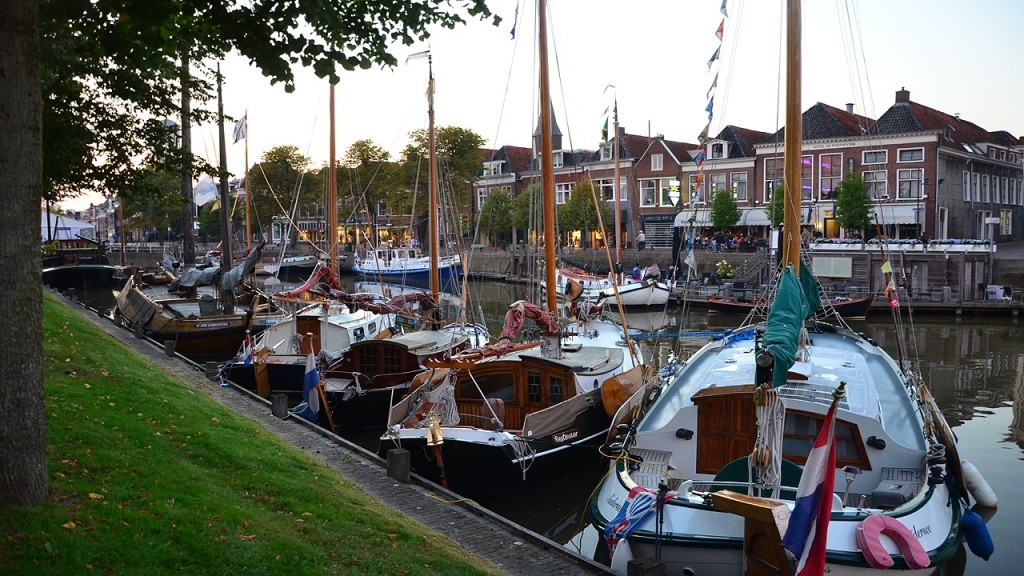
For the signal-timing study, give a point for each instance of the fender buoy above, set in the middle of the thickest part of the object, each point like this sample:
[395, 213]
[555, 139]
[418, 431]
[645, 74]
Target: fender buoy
[869, 538]
[978, 486]
[976, 534]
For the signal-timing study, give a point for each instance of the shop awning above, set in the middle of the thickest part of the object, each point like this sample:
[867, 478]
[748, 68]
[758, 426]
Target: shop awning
[895, 214]
[754, 217]
[700, 218]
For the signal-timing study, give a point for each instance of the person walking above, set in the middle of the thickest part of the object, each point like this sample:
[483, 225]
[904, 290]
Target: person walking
[641, 241]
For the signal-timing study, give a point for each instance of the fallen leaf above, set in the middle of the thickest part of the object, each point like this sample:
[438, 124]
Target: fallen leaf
[246, 536]
[216, 420]
[69, 525]
[95, 496]
[393, 536]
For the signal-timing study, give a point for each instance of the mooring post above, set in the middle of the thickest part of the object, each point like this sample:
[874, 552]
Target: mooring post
[399, 464]
[169, 348]
[279, 405]
[212, 370]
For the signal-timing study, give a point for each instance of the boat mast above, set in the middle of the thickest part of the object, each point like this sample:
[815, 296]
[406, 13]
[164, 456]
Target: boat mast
[332, 203]
[794, 134]
[617, 193]
[435, 243]
[248, 200]
[547, 162]
[227, 296]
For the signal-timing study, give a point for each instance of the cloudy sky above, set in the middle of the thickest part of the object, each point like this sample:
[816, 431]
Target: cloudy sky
[958, 57]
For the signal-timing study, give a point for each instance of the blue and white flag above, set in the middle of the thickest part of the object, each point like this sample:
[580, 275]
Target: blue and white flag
[690, 260]
[310, 408]
[807, 535]
[240, 127]
[247, 351]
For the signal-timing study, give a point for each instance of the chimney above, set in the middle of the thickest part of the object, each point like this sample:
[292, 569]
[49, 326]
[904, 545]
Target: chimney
[903, 96]
[849, 107]
[957, 115]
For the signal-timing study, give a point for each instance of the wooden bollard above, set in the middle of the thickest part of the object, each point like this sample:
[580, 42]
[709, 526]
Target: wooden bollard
[399, 464]
[211, 369]
[169, 348]
[279, 405]
[139, 333]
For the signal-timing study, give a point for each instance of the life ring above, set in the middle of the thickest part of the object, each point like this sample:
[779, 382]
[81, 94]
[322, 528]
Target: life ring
[869, 538]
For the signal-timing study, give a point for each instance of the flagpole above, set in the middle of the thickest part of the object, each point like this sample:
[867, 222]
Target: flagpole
[248, 201]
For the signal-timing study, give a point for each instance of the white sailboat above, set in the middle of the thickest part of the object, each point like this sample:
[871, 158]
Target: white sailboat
[730, 440]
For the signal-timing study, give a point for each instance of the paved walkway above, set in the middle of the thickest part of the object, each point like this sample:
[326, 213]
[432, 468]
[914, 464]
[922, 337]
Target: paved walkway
[514, 549]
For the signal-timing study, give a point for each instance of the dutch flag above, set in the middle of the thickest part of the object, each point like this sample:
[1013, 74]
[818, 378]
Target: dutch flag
[247, 351]
[310, 408]
[807, 535]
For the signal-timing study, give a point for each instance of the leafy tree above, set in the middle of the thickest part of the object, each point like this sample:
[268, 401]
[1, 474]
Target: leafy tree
[724, 212]
[776, 206]
[282, 173]
[853, 205]
[119, 59]
[496, 214]
[370, 177]
[154, 207]
[458, 158]
[528, 211]
[578, 212]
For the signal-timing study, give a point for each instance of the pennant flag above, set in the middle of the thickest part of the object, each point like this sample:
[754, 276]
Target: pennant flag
[807, 534]
[690, 260]
[417, 56]
[886, 267]
[310, 408]
[239, 132]
[714, 57]
[704, 134]
[710, 107]
[721, 29]
[724, 13]
[247, 351]
[604, 131]
[699, 158]
[714, 84]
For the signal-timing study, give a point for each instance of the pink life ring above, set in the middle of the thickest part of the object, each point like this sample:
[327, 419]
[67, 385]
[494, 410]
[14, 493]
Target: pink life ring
[869, 538]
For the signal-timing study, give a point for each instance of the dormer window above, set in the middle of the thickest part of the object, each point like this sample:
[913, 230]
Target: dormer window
[492, 168]
[718, 150]
[606, 151]
[557, 159]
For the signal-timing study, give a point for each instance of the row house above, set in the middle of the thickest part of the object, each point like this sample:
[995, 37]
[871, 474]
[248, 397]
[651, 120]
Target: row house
[930, 175]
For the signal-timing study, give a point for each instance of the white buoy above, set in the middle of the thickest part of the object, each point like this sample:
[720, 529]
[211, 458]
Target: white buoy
[978, 487]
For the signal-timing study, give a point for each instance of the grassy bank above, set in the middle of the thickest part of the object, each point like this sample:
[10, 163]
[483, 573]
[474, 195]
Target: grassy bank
[149, 475]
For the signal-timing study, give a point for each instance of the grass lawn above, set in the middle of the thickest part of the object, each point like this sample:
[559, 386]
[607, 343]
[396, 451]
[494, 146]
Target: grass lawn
[148, 475]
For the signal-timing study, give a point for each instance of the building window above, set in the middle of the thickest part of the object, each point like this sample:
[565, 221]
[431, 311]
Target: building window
[623, 188]
[1004, 190]
[604, 189]
[492, 168]
[669, 193]
[717, 182]
[975, 187]
[908, 183]
[806, 177]
[657, 162]
[910, 155]
[831, 170]
[562, 192]
[773, 174]
[1005, 222]
[875, 157]
[481, 197]
[986, 192]
[696, 192]
[739, 186]
[648, 193]
[718, 151]
[967, 186]
[877, 185]
[606, 151]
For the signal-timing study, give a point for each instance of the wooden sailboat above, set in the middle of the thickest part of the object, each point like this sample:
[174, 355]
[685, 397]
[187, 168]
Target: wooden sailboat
[730, 439]
[496, 418]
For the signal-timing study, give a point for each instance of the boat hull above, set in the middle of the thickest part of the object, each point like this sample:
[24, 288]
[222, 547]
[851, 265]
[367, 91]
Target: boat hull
[639, 294]
[848, 308]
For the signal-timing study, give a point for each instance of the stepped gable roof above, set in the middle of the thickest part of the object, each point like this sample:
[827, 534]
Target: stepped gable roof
[824, 122]
[910, 117]
[743, 138]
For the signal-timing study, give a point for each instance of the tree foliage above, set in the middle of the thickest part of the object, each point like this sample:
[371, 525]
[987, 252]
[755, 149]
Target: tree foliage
[527, 211]
[724, 212]
[776, 206]
[458, 159]
[496, 215]
[853, 205]
[282, 174]
[578, 212]
[369, 180]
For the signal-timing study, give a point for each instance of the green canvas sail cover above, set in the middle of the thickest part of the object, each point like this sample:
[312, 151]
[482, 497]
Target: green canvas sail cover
[795, 300]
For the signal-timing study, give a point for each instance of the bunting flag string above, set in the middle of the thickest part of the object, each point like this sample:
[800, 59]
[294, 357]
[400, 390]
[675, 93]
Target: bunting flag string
[714, 84]
[701, 154]
[721, 29]
[724, 13]
[710, 107]
[714, 56]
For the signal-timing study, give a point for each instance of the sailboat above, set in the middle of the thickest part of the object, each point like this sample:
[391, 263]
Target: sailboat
[496, 418]
[709, 477]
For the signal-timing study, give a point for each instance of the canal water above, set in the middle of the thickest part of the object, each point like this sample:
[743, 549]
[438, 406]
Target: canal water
[974, 365]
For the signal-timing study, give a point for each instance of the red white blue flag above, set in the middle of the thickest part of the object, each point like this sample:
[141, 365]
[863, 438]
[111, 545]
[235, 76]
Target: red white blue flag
[807, 535]
[247, 351]
[310, 408]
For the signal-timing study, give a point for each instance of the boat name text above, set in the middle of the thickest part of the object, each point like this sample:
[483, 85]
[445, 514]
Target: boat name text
[565, 436]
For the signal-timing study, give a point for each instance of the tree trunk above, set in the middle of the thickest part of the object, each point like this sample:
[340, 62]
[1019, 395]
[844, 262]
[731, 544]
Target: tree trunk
[23, 476]
[188, 205]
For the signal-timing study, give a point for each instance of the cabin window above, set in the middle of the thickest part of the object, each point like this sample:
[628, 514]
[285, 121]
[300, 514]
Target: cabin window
[372, 328]
[533, 387]
[801, 429]
[492, 385]
[358, 335]
[393, 360]
[557, 390]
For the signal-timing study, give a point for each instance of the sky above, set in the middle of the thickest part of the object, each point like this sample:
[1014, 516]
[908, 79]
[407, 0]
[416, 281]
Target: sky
[653, 57]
